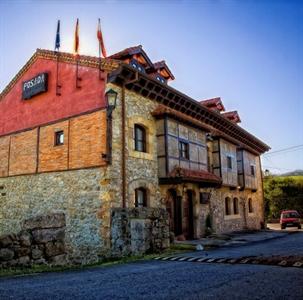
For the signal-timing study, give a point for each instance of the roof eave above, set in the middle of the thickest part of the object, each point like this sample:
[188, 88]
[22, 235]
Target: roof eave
[172, 98]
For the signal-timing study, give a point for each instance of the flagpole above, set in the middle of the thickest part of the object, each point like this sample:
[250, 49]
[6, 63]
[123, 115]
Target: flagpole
[57, 51]
[76, 50]
[77, 73]
[58, 86]
[100, 62]
[99, 28]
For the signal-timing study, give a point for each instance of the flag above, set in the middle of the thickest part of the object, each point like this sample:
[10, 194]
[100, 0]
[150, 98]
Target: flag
[76, 43]
[100, 38]
[57, 43]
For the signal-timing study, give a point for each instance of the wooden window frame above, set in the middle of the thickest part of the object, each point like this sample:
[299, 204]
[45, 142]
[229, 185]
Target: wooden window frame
[136, 138]
[144, 192]
[57, 141]
[236, 206]
[228, 210]
[252, 170]
[250, 206]
[229, 162]
[184, 152]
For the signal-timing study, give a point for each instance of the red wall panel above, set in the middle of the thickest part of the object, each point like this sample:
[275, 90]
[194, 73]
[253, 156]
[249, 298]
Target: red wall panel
[17, 114]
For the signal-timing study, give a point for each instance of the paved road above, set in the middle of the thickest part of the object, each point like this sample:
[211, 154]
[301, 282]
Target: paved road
[171, 280]
[291, 244]
[277, 226]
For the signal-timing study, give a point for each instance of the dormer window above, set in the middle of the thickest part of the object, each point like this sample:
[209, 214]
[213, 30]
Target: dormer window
[134, 63]
[161, 79]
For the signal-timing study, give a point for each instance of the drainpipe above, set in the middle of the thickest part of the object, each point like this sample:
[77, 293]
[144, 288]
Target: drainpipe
[123, 147]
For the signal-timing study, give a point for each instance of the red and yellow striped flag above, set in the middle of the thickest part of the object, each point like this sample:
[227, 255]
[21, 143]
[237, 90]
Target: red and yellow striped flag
[76, 42]
[100, 38]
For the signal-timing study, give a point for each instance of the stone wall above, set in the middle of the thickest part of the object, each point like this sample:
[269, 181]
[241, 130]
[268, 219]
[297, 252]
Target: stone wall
[137, 231]
[74, 193]
[216, 208]
[40, 241]
[236, 222]
[142, 168]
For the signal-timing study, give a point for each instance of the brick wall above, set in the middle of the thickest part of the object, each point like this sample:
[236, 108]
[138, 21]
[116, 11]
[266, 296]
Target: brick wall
[23, 153]
[84, 143]
[4, 149]
[87, 140]
[53, 157]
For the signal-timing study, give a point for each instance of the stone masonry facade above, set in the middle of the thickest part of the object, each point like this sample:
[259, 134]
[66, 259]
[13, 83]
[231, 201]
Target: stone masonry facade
[136, 231]
[40, 241]
[39, 179]
[76, 194]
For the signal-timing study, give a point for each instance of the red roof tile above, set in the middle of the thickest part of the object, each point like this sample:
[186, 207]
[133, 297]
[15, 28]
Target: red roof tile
[130, 52]
[127, 51]
[162, 65]
[233, 116]
[213, 104]
[200, 175]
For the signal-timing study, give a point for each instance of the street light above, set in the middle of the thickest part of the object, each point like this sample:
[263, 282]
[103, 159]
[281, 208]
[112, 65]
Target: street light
[111, 100]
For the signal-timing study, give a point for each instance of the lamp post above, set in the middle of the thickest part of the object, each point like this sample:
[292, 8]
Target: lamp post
[111, 102]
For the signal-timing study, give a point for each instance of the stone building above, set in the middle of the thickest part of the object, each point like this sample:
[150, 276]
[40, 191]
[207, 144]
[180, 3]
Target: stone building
[65, 148]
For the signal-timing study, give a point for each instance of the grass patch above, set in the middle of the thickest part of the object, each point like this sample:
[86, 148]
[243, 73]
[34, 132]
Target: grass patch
[37, 269]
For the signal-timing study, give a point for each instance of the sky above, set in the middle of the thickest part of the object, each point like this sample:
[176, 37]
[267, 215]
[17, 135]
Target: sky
[249, 53]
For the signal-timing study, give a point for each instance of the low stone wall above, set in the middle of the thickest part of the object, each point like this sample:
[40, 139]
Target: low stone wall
[75, 193]
[135, 231]
[41, 241]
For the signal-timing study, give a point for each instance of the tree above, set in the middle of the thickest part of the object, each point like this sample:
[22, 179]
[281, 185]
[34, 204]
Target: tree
[281, 193]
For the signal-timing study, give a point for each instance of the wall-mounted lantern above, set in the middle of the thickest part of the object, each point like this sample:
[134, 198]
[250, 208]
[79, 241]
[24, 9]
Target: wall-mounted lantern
[111, 100]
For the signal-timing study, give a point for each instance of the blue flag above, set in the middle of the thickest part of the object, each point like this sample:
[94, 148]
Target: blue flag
[57, 44]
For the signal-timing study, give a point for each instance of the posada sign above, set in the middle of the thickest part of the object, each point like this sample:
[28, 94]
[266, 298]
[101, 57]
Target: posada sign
[34, 86]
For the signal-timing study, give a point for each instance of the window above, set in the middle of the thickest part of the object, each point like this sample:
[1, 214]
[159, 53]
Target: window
[227, 206]
[137, 66]
[141, 197]
[252, 170]
[184, 150]
[236, 206]
[204, 198]
[161, 79]
[229, 162]
[59, 138]
[140, 138]
[250, 206]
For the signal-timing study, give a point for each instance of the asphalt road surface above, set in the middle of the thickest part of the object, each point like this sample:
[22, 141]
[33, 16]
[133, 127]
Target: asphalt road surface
[277, 226]
[172, 280]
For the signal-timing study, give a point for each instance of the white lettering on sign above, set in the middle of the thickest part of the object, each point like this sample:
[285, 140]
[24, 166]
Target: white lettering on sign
[35, 86]
[37, 80]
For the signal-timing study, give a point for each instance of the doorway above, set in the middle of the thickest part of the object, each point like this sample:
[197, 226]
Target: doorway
[174, 209]
[188, 215]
